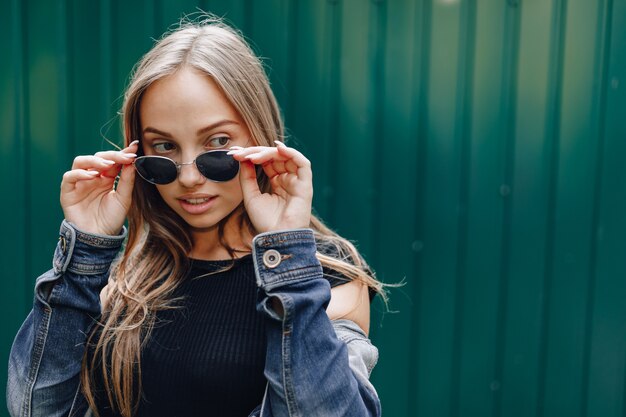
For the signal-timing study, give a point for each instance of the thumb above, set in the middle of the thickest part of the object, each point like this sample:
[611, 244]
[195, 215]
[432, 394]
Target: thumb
[125, 184]
[247, 179]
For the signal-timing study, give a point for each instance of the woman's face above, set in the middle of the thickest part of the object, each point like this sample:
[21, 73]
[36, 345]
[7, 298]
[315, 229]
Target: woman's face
[183, 115]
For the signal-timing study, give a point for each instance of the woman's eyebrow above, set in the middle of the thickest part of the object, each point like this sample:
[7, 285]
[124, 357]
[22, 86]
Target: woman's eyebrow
[157, 131]
[216, 125]
[201, 131]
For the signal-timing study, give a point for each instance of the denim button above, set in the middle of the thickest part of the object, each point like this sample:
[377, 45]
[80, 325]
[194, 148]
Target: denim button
[63, 244]
[271, 258]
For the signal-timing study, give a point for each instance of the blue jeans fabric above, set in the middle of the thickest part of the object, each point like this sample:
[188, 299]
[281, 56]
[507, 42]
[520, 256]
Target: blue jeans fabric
[314, 367]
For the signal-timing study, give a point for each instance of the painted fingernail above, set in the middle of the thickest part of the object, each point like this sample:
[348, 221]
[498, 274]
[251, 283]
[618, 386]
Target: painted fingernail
[108, 162]
[135, 142]
[129, 155]
[93, 173]
[279, 143]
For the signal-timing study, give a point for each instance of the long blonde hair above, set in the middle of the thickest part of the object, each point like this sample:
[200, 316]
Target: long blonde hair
[155, 257]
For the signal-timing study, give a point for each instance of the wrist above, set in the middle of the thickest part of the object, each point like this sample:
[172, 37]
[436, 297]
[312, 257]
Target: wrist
[95, 237]
[83, 252]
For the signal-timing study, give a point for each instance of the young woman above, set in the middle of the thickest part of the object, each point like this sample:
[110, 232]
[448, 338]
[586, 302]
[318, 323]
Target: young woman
[221, 304]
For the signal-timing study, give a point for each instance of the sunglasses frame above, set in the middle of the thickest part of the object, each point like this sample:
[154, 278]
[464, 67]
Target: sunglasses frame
[178, 166]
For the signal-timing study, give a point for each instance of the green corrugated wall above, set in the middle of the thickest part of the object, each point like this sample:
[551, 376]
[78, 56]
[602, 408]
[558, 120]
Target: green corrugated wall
[474, 148]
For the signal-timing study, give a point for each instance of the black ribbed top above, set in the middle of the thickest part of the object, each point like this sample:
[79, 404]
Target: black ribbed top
[206, 357]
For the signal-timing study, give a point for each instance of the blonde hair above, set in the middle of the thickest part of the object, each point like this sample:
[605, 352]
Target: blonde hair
[155, 257]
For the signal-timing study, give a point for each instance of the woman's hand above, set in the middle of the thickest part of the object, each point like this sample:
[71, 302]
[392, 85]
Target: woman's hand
[88, 197]
[289, 204]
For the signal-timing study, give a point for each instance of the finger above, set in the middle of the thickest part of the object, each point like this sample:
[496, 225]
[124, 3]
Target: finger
[261, 155]
[277, 187]
[70, 178]
[291, 166]
[125, 185]
[242, 154]
[273, 168]
[302, 163]
[269, 170]
[132, 147]
[277, 166]
[267, 155]
[247, 179]
[113, 172]
[120, 157]
[293, 154]
[91, 162]
[102, 160]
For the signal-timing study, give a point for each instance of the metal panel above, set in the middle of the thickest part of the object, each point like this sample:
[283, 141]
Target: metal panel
[472, 148]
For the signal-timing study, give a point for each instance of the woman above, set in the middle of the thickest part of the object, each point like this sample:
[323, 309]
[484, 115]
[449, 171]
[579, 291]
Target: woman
[221, 303]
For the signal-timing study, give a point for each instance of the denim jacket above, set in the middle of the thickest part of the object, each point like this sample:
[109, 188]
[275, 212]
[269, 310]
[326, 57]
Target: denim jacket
[302, 343]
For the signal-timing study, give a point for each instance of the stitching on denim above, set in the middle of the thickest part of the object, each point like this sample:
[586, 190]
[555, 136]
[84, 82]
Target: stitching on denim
[37, 355]
[101, 241]
[81, 268]
[75, 407]
[292, 406]
[303, 236]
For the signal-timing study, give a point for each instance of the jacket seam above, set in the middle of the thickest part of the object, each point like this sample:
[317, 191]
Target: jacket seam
[37, 355]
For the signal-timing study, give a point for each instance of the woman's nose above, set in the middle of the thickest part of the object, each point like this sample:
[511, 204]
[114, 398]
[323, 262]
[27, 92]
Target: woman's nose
[189, 176]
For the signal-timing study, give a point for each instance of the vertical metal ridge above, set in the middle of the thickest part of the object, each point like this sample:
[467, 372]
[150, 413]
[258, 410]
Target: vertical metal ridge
[555, 86]
[292, 56]
[248, 18]
[334, 63]
[624, 394]
[510, 58]
[378, 17]
[106, 63]
[66, 90]
[22, 122]
[602, 54]
[158, 21]
[423, 32]
[467, 46]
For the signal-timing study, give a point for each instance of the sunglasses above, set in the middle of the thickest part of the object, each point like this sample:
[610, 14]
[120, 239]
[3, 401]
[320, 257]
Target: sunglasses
[215, 165]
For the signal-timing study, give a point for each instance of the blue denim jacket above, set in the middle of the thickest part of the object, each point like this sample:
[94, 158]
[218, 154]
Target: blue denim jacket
[314, 367]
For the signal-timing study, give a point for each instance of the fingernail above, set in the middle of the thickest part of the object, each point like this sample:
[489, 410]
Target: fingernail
[108, 162]
[129, 155]
[279, 143]
[231, 152]
[133, 143]
[93, 173]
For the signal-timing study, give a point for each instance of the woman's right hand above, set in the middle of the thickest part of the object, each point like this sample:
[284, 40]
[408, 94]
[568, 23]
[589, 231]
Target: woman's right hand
[88, 196]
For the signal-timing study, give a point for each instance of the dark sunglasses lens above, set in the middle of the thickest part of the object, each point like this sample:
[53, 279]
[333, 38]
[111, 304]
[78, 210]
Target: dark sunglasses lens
[156, 170]
[217, 166]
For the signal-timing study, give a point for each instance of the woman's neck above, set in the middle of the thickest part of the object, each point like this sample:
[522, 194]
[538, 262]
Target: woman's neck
[208, 246]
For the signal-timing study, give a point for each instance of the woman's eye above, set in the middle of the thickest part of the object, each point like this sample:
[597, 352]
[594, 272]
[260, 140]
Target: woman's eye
[219, 142]
[162, 147]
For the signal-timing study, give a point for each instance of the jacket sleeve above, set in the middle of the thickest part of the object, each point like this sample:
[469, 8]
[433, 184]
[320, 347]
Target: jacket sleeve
[314, 367]
[45, 359]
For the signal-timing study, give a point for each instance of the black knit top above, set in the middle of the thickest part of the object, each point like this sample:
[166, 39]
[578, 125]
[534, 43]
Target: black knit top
[206, 357]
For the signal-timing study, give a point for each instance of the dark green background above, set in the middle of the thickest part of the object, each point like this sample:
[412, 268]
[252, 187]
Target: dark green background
[472, 148]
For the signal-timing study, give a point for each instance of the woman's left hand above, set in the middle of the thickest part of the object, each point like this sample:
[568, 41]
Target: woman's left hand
[288, 206]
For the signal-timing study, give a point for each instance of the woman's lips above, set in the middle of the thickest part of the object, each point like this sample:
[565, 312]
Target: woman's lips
[197, 205]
